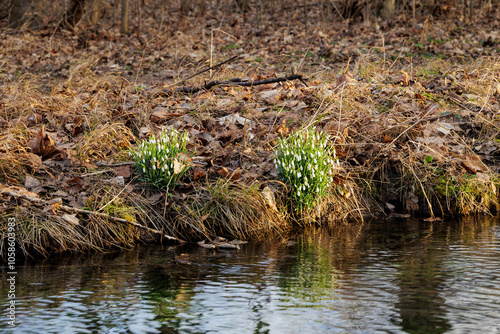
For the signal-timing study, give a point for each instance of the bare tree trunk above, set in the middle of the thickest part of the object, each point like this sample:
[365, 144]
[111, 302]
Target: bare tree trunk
[95, 9]
[389, 6]
[243, 5]
[140, 19]
[19, 8]
[413, 15]
[124, 18]
[305, 13]
[74, 14]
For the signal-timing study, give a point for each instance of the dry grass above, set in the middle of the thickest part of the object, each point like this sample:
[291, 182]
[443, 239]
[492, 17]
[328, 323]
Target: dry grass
[388, 133]
[106, 141]
[380, 127]
[223, 207]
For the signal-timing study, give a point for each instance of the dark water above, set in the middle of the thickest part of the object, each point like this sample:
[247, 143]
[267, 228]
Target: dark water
[382, 277]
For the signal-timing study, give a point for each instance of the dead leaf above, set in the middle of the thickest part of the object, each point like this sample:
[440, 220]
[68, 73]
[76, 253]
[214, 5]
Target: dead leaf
[43, 145]
[411, 202]
[199, 174]
[178, 167]
[473, 164]
[52, 207]
[226, 173]
[236, 119]
[123, 171]
[268, 195]
[18, 190]
[345, 78]
[74, 185]
[28, 120]
[161, 114]
[71, 219]
[154, 199]
[282, 129]
[31, 182]
[432, 219]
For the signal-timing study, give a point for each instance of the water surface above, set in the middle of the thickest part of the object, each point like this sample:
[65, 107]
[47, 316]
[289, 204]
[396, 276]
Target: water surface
[380, 277]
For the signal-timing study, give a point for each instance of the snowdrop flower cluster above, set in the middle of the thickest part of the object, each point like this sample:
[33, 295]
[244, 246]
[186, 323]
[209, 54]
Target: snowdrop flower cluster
[305, 161]
[159, 159]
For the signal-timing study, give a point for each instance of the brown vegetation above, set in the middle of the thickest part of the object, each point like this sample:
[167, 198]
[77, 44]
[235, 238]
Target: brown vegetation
[412, 110]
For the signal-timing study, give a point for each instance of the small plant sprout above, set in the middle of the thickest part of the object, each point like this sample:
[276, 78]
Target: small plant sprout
[305, 162]
[162, 160]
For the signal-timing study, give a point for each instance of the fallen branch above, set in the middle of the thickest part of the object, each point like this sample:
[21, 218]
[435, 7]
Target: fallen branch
[235, 82]
[94, 213]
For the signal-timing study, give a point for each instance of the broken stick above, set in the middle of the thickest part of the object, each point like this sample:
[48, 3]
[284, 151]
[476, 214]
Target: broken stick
[232, 82]
[94, 213]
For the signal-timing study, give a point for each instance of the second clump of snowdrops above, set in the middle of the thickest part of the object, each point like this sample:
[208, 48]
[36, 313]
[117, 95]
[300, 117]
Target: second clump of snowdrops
[305, 161]
[162, 160]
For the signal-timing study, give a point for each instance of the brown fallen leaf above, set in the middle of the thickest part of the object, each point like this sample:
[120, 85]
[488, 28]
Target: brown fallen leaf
[28, 120]
[52, 207]
[34, 160]
[473, 164]
[31, 182]
[268, 195]
[161, 114]
[199, 174]
[155, 198]
[74, 185]
[226, 173]
[346, 78]
[5, 190]
[282, 129]
[123, 171]
[432, 219]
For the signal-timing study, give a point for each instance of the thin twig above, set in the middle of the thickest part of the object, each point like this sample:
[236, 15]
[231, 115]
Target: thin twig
[207, 69]
[103, 164]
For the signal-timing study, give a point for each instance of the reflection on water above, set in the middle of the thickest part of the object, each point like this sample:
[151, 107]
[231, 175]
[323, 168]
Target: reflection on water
[392, 277]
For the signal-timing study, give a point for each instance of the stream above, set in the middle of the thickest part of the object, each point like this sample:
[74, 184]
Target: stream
[406, 276]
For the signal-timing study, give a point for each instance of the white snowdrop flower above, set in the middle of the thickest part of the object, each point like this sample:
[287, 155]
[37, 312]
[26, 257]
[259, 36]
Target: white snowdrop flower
[298, 193]
[144, 169]
[299, 174]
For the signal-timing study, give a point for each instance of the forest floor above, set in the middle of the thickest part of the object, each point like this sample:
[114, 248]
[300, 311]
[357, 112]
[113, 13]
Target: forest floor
[413, 113]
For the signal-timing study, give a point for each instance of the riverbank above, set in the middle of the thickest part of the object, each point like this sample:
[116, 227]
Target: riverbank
[413, 122]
